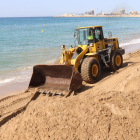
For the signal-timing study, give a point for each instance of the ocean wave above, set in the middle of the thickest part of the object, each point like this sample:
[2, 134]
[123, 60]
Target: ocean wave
[19, 75]
[135, 41]
[5, 81]
[22, 74]
[15, 79]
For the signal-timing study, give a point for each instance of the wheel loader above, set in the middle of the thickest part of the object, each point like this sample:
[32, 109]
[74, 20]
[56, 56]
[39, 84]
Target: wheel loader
[80, 63]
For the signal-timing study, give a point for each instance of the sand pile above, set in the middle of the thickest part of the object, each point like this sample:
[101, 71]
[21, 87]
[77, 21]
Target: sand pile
[109, 109]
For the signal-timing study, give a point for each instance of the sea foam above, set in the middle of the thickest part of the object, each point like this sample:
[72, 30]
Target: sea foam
[134, 41]
[21, 74]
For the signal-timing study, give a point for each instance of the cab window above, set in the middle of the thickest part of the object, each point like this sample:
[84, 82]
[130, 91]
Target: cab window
[84, 36]
[98, 36]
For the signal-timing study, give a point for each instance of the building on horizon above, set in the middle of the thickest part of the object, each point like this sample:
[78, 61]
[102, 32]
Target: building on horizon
[122, 11]
[90, 13]
[134, 12]
[65, 14]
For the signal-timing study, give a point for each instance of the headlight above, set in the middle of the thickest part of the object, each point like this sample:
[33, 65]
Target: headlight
[91, 44]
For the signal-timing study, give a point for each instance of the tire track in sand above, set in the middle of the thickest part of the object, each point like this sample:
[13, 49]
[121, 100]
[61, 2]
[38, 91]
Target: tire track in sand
[12, 106]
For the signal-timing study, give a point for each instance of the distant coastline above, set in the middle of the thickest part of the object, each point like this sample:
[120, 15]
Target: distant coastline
[101, 16]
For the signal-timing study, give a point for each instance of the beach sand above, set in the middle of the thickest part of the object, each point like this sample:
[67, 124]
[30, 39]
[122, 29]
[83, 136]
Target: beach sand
[108, 109]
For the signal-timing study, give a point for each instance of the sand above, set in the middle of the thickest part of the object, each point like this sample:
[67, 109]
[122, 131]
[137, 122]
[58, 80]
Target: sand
[106, 110]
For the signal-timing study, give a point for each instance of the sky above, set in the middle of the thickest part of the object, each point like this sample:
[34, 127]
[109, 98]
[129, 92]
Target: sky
[35, 8]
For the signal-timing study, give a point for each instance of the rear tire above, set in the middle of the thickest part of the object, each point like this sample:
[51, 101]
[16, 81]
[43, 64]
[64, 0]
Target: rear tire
[90, 70]
[116, 60]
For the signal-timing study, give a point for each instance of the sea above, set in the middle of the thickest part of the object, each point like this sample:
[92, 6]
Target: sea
[27, 41]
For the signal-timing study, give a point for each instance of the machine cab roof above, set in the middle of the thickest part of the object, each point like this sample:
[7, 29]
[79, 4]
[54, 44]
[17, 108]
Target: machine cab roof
[90, 27]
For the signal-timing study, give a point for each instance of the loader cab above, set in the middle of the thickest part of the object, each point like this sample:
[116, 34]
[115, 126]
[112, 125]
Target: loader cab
[91, 34]
[87, 35]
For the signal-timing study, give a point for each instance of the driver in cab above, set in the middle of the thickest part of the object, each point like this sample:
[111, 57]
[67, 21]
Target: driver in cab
[90, 35]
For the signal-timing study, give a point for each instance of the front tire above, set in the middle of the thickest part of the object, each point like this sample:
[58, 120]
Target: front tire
[90, 70]
[116, 60]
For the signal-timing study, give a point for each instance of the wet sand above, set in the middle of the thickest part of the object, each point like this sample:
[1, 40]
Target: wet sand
[131, 48]
[13, 88]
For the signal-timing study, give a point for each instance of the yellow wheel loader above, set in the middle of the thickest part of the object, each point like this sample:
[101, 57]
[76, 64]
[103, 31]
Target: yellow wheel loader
[80, 63]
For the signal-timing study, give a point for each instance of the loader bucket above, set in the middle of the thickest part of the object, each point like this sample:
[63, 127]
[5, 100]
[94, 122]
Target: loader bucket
[60, 78]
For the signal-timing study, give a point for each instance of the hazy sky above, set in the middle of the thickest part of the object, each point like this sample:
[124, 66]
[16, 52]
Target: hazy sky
[28, 8]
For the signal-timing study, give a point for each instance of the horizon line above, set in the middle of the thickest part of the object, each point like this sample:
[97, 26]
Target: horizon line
[26, 17]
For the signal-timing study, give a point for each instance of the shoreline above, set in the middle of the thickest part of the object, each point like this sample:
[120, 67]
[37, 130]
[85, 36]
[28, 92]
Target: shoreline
[16, 88]
[131, 48]
[13, 89]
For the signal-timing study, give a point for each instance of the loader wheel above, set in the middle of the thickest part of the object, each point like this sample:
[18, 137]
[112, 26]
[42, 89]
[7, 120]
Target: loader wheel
[90, 70]
[116, 60]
